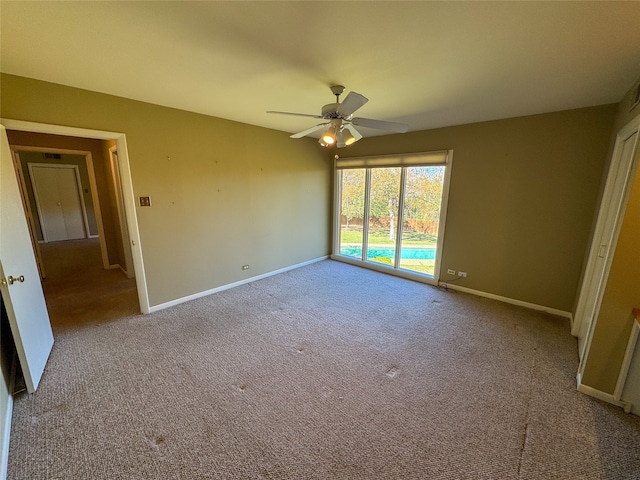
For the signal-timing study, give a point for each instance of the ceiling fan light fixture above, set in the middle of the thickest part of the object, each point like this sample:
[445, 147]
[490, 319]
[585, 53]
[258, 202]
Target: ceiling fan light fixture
[345, 137]
[328, 138]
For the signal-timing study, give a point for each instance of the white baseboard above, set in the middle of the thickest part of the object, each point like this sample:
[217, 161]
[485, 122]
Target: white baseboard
[4, 454]
[188, 298]
[600, 395]
[512, 301]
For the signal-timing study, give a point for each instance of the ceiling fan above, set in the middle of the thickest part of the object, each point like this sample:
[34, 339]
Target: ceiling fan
[339, 127]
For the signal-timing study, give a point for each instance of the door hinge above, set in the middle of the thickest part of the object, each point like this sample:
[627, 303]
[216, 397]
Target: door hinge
[602, 251]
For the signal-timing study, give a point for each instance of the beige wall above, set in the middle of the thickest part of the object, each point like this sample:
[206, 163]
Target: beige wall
[523, 192]
[224, 193]
[522, 197]
[622, 292]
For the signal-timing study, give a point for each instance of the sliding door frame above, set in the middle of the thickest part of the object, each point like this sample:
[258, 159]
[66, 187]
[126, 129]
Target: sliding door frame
[432, 280]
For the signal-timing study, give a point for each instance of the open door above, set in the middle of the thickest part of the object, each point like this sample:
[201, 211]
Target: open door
[608, 223]
[19, 278]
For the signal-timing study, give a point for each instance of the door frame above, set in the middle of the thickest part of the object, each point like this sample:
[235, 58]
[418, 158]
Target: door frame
[88, 158]
[127, 188]
[36, 194]
[609, 222]
[122, 216]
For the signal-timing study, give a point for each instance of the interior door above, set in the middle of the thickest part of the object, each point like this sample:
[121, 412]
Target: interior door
[605, 237]
[20, 282]
[58, 201]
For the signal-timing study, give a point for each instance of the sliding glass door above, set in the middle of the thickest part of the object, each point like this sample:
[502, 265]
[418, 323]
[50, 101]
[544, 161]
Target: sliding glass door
[382, 231]
[421, 218]
[391, 215]
[351, 214]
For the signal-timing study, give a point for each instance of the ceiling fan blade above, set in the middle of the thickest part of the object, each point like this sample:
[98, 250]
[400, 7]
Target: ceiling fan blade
[296, 114]
[351, 103]
[356, 134]
[309, 130]
[381, 125]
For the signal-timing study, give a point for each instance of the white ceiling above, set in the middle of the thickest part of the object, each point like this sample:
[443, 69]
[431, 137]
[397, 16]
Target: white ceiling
[428, 64]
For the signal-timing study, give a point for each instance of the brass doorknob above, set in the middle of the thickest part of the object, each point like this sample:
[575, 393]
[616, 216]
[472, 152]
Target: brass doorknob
[13, 280]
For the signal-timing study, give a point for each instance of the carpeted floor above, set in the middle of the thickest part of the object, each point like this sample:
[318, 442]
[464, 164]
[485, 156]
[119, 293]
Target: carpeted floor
[326, 372]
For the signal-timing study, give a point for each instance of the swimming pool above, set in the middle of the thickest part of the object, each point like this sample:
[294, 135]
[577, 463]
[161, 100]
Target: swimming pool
[427, 253]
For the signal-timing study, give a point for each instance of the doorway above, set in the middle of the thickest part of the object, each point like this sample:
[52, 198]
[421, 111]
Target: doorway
[23, 155]
[133, 269]
[84, 283]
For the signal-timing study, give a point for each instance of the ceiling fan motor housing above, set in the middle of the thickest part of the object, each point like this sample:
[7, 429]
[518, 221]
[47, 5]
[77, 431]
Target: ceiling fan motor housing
[337, 89]
[330, 111]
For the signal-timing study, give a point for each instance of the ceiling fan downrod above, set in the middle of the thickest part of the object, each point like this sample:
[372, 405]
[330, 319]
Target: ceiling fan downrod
[337, 91]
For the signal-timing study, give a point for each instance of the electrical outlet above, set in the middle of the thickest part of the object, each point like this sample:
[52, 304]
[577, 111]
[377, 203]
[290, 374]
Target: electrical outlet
[462, 274]
[145, 201]
[451, 271]
[245, 267]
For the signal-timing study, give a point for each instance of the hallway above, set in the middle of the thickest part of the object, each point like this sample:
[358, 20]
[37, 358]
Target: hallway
[79, 291]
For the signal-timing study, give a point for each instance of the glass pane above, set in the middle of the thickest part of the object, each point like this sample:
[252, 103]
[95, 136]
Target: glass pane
[352, 212]
[423, 197]
[383, 215]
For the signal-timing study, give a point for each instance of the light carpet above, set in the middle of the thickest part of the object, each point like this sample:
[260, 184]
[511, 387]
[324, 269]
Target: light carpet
[329, 371]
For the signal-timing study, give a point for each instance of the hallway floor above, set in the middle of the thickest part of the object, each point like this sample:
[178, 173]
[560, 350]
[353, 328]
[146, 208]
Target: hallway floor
[79, 291]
